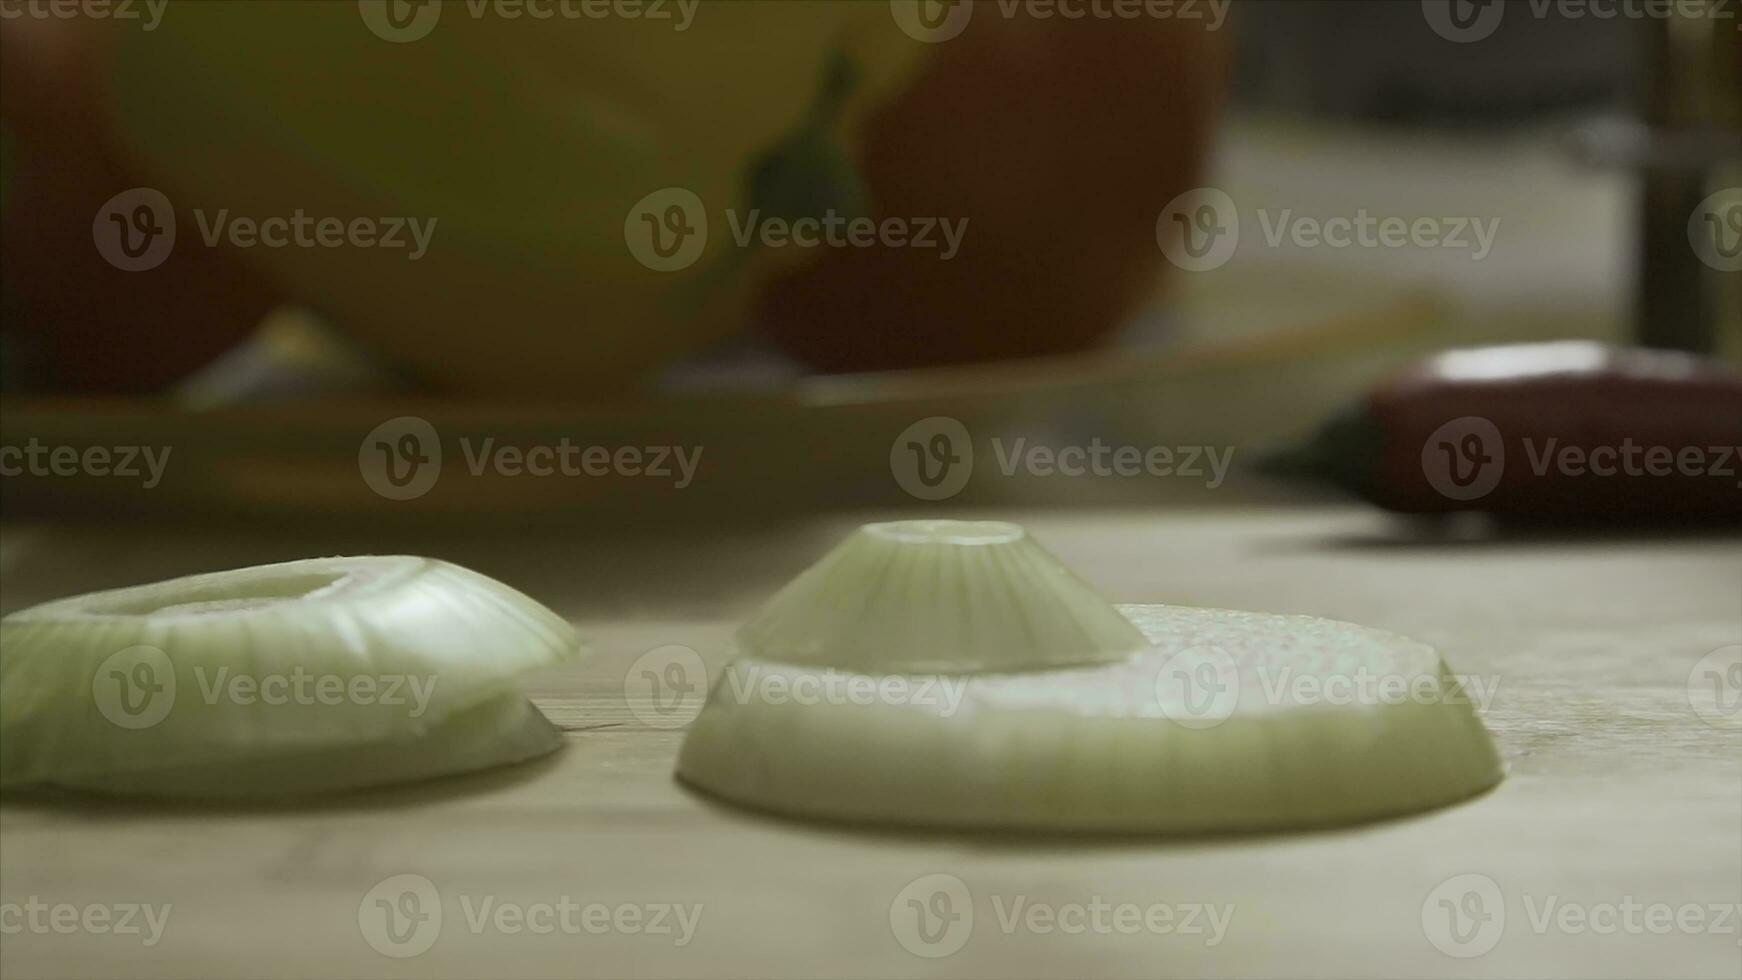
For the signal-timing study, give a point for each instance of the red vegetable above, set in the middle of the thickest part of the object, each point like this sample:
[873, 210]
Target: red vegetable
[1563, 430]
[93, 326]
[1059, 141]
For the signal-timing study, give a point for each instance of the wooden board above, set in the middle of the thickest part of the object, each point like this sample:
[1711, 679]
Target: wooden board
[1182, 376]
[1618, 791]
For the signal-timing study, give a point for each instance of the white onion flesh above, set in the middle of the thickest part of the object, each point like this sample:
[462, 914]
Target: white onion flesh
[382, 664]
[1112, 747]
[501, 732]
[939, 597]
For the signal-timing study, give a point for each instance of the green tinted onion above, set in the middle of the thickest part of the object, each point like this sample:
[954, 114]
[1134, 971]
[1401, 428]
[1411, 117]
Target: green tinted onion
[299, 677]
[1224, 721]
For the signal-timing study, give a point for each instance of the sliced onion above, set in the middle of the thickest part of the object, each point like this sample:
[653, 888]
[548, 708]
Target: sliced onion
[500, 732]
[1233, 721]
[364, 657]
[939, 597]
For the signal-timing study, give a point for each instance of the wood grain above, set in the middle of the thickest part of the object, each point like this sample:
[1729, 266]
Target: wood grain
[1617, 791]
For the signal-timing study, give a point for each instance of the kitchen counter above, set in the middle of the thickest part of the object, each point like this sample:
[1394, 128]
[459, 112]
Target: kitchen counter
[1623, 804]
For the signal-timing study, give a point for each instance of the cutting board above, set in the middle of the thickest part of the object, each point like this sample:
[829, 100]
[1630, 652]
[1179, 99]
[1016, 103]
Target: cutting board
[1618, 790]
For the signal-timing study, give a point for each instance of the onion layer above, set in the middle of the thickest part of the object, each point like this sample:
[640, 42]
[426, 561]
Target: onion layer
[939, 597]
[1232, 721]
[372, 663]
[501, 732]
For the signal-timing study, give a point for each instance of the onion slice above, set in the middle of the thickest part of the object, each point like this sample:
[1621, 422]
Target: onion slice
[939, 597]
[1232, 721]
[503, 731]
[372, 660]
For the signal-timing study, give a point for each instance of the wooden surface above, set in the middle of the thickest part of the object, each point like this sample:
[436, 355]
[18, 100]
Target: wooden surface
[1617, 790]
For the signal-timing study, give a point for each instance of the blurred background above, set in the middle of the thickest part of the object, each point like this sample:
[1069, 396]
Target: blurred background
[260, 232]
[640, 306]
